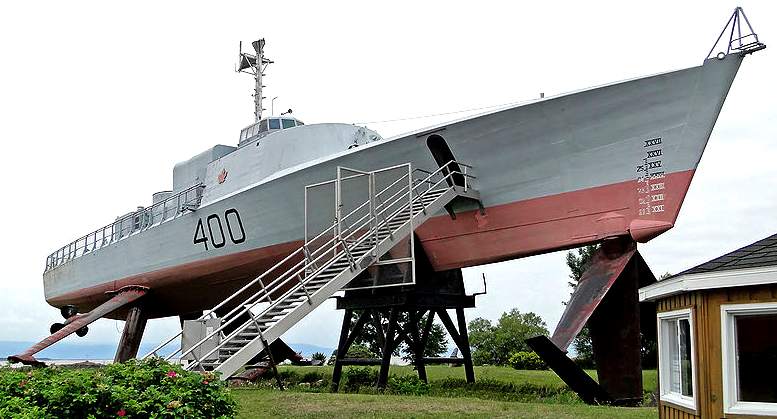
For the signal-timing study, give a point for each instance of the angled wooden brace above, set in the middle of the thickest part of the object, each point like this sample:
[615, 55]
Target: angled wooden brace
[123, 297]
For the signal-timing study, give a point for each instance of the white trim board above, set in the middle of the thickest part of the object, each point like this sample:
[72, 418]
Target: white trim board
[731, 404]
[664, 386]
[709, 280]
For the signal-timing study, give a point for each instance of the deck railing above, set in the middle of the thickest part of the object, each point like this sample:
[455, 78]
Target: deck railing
[127, 225]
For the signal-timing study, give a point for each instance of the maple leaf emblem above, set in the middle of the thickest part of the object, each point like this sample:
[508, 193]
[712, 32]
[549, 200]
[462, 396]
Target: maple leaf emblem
[223, 175]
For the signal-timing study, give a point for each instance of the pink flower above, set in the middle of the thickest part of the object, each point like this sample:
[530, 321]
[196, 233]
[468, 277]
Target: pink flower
[121, 413]
[205, 382]
[171, 373]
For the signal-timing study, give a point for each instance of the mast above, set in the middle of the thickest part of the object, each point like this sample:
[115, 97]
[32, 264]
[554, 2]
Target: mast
[255, 64]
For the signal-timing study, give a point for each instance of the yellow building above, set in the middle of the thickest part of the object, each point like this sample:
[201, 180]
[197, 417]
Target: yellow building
[717, 336]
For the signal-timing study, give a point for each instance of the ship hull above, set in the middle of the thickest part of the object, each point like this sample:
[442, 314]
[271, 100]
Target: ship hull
[555, 174]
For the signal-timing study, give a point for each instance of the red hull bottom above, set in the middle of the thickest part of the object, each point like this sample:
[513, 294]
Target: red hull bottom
[552, 223]
[505, 232]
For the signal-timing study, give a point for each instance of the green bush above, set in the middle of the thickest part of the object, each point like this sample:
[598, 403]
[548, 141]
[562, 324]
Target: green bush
[527, 361]
[407, 384]
[357, 377]
[151, 388]
[319, 356]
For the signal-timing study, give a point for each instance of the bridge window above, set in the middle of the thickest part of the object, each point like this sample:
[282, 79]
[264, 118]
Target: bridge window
[288, 123]
[275, 124]
[263, 125]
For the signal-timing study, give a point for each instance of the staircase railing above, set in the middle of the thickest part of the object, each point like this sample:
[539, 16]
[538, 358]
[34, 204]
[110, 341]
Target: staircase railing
[306, 264]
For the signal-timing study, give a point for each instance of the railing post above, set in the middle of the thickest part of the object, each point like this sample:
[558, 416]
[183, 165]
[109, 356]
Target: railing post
[338, 204]
[304, 289]
[412, 230]
[410, 196]
[373, 223]
[465, 178]
[264, 290]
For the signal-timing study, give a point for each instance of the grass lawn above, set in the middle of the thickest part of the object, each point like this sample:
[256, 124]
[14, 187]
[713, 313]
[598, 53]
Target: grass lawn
[273, 403]
[503, 374]
[487, 398]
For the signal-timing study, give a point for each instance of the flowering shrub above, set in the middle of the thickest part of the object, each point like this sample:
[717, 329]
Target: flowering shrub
[134, 389]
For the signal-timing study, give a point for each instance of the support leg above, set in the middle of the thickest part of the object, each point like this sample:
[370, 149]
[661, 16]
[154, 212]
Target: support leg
[388, 349]
[462, 342]
[123, 297]
[615, 337]
[341, 350]
[418, 346]
[132, 334]
[466, 353]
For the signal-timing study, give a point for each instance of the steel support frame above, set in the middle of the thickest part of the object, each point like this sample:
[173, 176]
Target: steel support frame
[413, 333]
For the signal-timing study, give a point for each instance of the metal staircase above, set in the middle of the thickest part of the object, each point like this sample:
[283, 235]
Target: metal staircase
[238, 329]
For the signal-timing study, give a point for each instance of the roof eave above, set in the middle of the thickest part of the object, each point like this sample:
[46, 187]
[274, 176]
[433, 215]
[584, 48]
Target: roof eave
[709, 280]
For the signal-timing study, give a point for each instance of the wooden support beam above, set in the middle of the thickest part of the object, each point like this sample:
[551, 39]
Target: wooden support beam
[466, 353]
[402, 335]
[388, 349]
[380, 333]
[615, 339]
[418, 347]
[341, 350]
[427, 328]
[448, 323]
[354, 333]
[134, 326]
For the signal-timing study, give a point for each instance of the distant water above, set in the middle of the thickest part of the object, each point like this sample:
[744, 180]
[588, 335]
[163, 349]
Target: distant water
[63, 362]
[67, 352]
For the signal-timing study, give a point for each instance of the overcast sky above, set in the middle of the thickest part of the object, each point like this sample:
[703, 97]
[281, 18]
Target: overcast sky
[98, 101]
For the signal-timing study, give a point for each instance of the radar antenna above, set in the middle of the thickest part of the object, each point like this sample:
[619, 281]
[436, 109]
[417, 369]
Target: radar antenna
[254, 64]
[737, 42]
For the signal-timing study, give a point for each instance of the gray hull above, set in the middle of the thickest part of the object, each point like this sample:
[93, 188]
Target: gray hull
[581, 159]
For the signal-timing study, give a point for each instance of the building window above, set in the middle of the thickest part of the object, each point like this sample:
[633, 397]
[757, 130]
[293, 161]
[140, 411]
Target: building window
[749, 345]
[677, 369]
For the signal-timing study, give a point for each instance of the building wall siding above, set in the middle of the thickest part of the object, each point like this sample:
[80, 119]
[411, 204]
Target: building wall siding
[709, 360]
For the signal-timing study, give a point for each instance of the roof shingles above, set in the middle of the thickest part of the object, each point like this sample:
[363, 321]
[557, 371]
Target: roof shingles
[759, 254]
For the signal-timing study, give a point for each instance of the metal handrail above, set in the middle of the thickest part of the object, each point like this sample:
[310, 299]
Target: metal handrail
[248, 306]
[127, 225]
[289, 292]
[323, 250]
[302, 267]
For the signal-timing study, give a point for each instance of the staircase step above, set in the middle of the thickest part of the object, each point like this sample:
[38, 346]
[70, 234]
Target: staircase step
[340, 265]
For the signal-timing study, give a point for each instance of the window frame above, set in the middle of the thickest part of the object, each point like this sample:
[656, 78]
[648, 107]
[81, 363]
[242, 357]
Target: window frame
[664, 361]
[728, 348]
